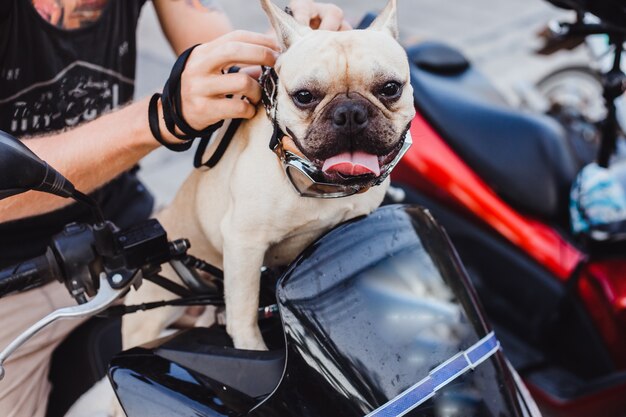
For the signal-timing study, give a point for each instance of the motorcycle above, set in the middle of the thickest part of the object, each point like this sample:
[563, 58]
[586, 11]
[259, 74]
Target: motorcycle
[556, 303]
[498, 180]
[377, 318]
[575, 89]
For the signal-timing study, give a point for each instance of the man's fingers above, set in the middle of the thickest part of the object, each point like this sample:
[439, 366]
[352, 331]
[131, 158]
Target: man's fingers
[254, 71]
[330, 15]
[204, 111]
[241, 85]
[238, 53]
[235, 109]
[303, 11]
[237, 85]
[319, 15]
[245, 36]
[345, 25]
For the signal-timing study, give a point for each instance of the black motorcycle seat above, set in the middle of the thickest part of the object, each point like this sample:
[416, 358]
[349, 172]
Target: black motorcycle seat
[439, 59]
[525, 158]
[209, 352]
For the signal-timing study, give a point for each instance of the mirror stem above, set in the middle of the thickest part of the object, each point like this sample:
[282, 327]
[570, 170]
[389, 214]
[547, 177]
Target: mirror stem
[95, 208]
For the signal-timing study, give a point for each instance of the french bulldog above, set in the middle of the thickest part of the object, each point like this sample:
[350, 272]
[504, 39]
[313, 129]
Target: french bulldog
[345, 101]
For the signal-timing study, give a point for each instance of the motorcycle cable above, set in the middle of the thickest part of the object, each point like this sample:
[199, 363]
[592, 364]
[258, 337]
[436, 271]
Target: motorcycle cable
[196, 263]
[187, 297]
[266, 312]
[614, 85]
[198, 300]
[169, 285]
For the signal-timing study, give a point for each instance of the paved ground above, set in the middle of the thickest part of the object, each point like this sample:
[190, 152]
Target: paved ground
[498, 36]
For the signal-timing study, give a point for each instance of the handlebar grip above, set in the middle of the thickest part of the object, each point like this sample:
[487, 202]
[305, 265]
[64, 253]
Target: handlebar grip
[29, 274]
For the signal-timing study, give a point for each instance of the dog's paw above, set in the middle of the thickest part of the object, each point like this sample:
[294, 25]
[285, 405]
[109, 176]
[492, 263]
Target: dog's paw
[250, 344]
[117, 410]
[248, 340]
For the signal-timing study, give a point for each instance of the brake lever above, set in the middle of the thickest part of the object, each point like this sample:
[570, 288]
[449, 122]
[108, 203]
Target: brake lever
[104, 298]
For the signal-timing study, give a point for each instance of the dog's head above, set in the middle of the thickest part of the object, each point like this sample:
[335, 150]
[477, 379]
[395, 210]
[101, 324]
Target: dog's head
[344, 98]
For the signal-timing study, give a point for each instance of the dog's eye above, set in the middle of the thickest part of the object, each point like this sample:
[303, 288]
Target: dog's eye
[304, 97]
[390, 90]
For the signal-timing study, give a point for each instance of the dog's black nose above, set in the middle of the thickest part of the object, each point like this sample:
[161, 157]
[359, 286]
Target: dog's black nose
[351, 116]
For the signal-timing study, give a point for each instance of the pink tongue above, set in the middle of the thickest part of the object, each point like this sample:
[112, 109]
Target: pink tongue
[353, 164]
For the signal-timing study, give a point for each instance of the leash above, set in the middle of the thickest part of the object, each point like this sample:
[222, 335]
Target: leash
[269, 91]
[171, 102]
[224, 141]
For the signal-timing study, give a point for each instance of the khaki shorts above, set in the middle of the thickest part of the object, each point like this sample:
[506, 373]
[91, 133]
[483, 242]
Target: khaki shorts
[25, 387]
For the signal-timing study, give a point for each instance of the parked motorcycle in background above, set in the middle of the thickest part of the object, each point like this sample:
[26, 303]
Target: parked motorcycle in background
[574, 94]
[580, 86]
[500, 181]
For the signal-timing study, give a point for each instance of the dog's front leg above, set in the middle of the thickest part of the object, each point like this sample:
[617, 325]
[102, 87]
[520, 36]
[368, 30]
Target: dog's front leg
[243, 260]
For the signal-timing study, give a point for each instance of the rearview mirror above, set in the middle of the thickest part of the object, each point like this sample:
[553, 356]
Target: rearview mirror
[21, 170]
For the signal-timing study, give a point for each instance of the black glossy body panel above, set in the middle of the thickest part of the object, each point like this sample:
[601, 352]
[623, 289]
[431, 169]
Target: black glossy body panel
[368, 311]
[197, 372]
[545, 331]
[150, 386]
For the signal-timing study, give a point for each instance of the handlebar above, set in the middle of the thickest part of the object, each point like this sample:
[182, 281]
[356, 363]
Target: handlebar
[29, 274]
[98, 265]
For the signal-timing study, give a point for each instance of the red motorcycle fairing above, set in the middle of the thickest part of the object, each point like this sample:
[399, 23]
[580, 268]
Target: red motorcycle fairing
[602, 287]
[431, 164]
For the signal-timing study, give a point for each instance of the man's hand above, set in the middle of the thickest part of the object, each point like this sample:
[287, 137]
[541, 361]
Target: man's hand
[96, 152]
[204, 86]
[324, 16]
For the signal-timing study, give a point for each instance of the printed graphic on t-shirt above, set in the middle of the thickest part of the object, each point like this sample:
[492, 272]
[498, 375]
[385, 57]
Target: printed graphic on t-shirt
[79, 93]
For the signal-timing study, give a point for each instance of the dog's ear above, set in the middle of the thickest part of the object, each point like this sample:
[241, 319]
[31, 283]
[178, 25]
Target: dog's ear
[287, 28]
[387, 21]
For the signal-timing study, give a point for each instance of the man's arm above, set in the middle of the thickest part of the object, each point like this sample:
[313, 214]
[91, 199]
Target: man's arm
[190, 22]
[89, 156]
[98, 151]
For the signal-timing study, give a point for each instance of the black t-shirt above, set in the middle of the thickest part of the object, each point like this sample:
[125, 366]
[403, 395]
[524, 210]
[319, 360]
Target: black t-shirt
[52, 79]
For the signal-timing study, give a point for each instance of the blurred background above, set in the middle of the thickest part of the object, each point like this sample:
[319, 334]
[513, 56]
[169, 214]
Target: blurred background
[498, 36]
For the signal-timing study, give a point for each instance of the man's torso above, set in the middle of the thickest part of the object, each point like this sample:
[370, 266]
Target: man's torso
[53, 78]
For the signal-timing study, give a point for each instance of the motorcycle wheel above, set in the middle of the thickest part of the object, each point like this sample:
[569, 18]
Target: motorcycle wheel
[575, 87]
